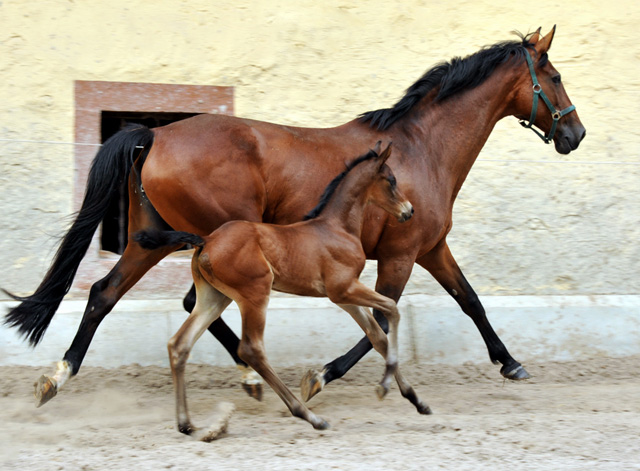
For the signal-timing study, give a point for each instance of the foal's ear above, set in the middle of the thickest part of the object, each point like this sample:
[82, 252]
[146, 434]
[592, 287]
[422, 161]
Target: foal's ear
[376, 148]
[544, 44]
[385, 155]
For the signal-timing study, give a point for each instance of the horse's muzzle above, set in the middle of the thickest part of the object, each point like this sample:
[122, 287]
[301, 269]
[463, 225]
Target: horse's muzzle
[568, 139]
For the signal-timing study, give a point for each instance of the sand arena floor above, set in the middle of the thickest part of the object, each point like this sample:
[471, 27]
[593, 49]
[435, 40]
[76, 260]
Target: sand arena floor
[580, 415]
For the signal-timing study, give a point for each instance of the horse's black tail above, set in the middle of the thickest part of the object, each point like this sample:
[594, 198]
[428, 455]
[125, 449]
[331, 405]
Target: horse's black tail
[110, 167]
[152, 239]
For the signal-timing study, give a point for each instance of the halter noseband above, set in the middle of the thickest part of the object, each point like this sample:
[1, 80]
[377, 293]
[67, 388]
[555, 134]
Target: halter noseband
[538, 93]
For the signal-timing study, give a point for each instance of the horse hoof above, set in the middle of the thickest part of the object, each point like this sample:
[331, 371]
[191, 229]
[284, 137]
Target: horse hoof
[311, 384]
[381, 391]
[516, 374]
[45, 389]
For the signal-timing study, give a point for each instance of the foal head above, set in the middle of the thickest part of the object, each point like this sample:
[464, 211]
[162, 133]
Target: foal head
[383, 190]
[369, 179]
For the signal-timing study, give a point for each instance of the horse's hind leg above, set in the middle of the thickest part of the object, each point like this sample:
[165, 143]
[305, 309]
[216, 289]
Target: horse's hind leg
[209, 306]
[441, 264]
[251, 381]
[252, 351]
[104, 294]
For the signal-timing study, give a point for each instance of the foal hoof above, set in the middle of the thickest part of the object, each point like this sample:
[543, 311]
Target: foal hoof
[311, 384]
[423, 409]
[45, 389]
[381, 391]
[251, 382]
[516, 374]
[321, 425]
[254, 390]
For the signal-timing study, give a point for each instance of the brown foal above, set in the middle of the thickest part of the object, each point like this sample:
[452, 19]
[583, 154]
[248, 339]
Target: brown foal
[320, 256]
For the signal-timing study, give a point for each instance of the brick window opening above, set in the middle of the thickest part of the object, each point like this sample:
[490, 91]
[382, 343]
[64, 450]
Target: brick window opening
[113, 236]
[101, 109]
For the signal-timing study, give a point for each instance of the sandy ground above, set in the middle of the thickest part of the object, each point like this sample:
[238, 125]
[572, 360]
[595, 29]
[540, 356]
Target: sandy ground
[579, 415]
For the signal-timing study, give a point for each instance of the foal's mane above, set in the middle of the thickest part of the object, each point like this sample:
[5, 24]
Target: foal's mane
[333, 185]
[451, 77]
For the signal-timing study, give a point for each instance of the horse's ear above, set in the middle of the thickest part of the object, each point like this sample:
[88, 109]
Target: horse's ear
[535, 37]
[376, 149]
[545, 43]
[385, 154]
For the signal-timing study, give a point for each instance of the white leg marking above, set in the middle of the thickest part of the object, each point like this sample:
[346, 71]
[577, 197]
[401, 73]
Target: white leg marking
[63, 373]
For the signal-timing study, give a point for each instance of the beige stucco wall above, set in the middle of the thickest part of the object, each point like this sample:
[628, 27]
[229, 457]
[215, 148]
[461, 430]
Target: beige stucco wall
[519, 227]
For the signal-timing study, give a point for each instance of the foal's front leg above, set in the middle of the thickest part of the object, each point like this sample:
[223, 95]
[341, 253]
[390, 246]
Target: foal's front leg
[379, 341]
[358, 294]
[252, 351]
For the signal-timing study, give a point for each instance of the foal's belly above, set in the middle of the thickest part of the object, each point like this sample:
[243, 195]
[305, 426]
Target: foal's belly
[314, 289]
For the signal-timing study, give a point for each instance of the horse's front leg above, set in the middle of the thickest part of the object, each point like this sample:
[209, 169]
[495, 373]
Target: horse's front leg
[393, 274]
[441, 264]
[250, 380]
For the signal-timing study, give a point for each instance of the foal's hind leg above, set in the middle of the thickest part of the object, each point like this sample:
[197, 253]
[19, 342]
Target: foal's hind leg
[209, 306]
[251, 381]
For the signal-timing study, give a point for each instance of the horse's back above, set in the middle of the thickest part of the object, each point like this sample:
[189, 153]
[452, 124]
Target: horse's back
[204, 171]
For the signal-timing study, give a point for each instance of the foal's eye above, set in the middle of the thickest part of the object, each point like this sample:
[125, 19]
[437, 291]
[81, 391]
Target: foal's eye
[556, 79]
[392, 181]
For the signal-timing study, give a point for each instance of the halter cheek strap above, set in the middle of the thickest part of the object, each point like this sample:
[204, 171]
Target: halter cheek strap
[539, 93]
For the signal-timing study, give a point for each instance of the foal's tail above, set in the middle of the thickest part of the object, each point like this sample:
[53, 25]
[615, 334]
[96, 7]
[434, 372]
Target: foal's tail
[151, 239]
[110, 167]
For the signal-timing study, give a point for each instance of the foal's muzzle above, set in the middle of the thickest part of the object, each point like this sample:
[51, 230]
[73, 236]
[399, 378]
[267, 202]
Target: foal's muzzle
[407, 212]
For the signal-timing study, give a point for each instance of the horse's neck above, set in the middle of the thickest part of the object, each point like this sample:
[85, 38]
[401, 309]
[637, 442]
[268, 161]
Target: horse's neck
[455, 131]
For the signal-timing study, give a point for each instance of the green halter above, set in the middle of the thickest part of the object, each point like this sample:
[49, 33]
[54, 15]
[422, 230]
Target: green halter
[538, 93]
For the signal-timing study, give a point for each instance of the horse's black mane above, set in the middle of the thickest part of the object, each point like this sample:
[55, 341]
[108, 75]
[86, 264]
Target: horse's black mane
[333, 185]
[451, 77]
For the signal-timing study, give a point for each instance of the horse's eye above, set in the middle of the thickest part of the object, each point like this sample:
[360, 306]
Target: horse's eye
[392, 181]
[556, 79]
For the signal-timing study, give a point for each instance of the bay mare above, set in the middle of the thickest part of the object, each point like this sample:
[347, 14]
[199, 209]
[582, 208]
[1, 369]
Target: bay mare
[321, 256]
[194, 175]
